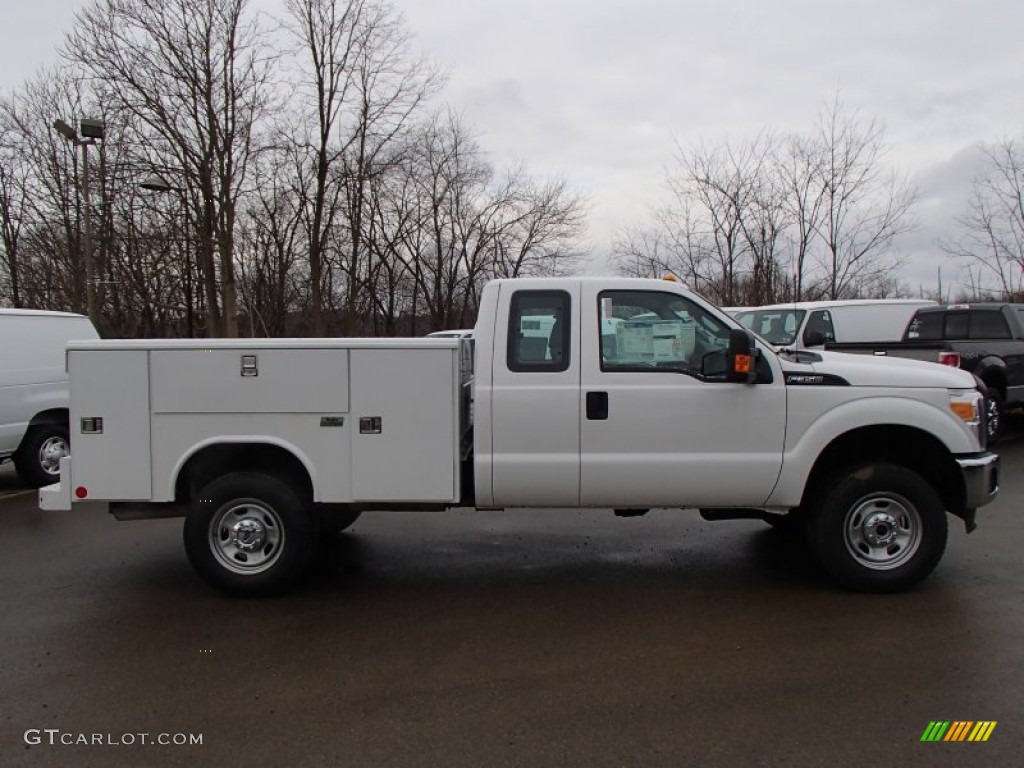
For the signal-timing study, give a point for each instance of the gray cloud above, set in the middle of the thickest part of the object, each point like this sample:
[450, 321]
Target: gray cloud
[595, 90]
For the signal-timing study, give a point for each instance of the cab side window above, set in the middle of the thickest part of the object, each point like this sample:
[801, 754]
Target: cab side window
[538, 331]
[641, 330]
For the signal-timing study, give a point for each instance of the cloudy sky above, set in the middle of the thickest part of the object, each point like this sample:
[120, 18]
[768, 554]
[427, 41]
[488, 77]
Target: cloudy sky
[596, 90]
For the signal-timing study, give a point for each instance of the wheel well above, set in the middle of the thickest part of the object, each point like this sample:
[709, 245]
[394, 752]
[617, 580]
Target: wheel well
[995, 378]
[903, 446]
[209, 463]
[53, 416]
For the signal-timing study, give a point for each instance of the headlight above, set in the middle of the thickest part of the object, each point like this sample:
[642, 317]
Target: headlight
[969, 407]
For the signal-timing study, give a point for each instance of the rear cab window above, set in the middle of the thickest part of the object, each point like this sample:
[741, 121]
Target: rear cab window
[539, 332]
[925, 326]
[958, 325]
[989, 324]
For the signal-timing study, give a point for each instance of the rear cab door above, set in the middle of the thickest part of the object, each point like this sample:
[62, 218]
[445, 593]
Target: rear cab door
[527, 435]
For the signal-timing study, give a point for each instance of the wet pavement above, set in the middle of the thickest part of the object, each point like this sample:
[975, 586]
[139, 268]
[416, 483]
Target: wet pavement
[539, 638]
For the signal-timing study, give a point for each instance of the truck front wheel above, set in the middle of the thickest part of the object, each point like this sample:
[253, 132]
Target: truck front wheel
[250, 535]
[880, 528]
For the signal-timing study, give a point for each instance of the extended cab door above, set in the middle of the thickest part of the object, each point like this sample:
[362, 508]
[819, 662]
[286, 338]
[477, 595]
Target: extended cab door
[534, 396]
[654, 430]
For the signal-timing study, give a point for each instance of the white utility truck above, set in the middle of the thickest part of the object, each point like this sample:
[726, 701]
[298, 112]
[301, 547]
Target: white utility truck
[641, 395]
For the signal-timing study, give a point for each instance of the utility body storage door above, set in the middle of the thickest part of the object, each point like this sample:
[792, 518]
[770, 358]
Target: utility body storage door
[652, 435]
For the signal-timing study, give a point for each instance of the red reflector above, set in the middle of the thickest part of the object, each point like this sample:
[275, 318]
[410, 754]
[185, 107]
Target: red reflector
[81, 492]
[741, 364]
[949, 358]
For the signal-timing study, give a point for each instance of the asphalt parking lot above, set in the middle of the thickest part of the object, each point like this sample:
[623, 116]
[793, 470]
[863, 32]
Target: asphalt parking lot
[516, 638]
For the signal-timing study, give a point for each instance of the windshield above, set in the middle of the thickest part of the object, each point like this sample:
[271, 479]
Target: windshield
[776, 326]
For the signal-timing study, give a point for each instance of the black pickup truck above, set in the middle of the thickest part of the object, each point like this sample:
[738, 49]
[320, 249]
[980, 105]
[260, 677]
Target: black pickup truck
[985, 339]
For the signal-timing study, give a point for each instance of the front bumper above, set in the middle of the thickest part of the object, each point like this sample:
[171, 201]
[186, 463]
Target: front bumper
[981, 479]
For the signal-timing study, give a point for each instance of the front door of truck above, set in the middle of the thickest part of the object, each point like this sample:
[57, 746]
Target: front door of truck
[654, 430]
[535, 398]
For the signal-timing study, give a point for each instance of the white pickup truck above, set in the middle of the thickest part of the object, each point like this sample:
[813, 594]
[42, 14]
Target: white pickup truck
[584, 392]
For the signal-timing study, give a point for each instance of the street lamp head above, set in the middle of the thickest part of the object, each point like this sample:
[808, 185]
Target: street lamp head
[156, 183]
[66, 131]
[91, 129]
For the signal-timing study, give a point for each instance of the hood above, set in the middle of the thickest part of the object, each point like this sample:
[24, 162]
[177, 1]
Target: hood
[871, 371]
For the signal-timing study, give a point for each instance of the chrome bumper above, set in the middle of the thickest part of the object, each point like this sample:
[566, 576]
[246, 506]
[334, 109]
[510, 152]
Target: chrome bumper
[981, 479]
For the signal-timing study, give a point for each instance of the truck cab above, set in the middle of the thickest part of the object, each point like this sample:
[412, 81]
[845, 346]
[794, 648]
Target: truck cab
[624, 402]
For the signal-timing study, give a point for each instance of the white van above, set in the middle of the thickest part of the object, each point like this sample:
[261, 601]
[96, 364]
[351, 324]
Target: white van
[733, 311]
[811, 324]
[34, 389]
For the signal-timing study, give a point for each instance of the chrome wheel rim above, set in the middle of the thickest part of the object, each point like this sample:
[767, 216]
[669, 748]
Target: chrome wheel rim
[246, 537]
[882, 531]
[993, 416]
[51, 452]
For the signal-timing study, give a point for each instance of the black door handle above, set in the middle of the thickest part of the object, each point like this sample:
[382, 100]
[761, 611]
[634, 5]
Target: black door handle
[597, 406]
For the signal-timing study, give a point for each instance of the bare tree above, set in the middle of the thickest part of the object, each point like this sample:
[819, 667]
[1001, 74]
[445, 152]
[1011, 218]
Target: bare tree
[14, 174]
[193, 74]
[766, 220]
[863, 207]
[331, 37]
[800, 171]
[992, 237]
[721, 232]
[50, 265]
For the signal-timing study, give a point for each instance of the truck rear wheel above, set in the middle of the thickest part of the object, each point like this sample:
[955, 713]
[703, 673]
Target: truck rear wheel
[880, 528]
[250, 535]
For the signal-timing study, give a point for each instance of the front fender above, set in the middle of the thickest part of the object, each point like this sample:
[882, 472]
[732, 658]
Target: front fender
[804, 446]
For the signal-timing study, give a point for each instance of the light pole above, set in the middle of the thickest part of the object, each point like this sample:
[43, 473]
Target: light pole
[92, 132]
[157, 183]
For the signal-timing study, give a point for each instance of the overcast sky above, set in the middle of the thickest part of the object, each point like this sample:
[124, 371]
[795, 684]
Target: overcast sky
[595, 90]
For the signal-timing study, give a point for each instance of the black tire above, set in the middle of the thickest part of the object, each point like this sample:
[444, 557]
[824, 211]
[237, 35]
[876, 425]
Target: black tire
[342, 521]
[37, 460]
[878, 528]
[994, 415]
[250, 535]
[791, 524]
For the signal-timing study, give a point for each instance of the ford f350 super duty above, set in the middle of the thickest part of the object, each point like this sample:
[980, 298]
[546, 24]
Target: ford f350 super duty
[617, 393]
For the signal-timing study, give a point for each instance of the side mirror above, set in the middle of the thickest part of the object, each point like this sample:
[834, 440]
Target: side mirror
[814, 339]
[741, 357]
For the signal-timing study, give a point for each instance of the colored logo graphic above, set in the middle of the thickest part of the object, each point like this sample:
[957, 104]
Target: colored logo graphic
[958, 730]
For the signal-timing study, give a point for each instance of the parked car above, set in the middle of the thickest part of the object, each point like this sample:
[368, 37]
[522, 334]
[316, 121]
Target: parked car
[986, 339]
[812, 324]
[34, 389]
